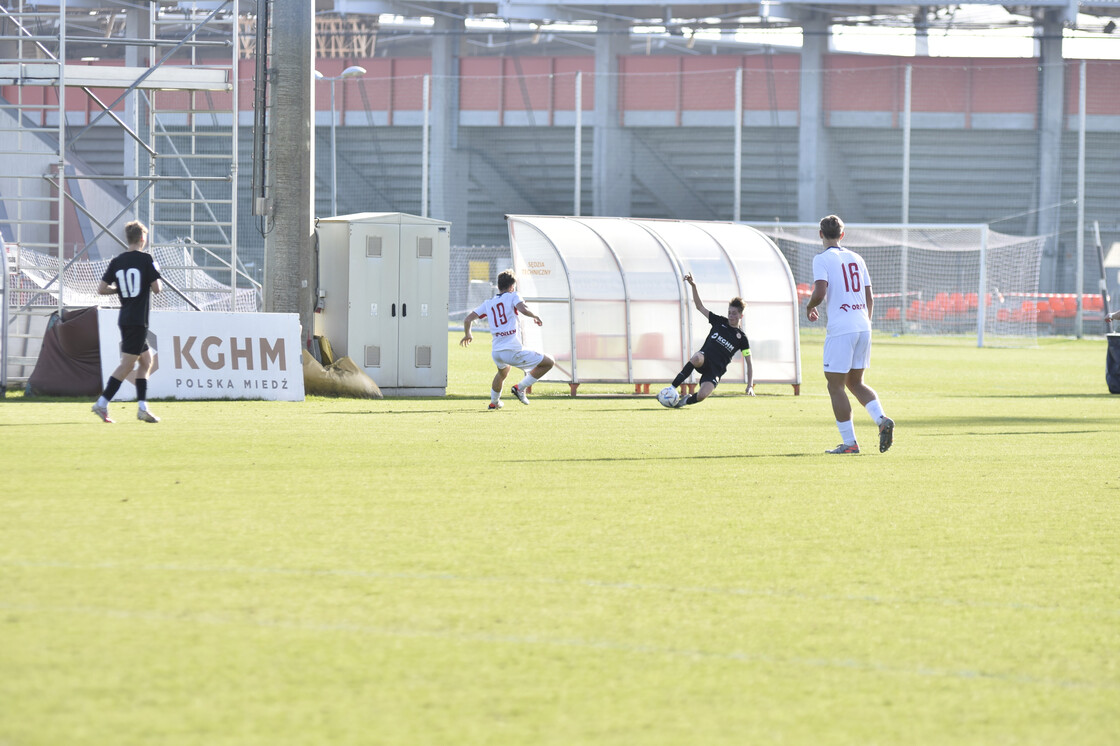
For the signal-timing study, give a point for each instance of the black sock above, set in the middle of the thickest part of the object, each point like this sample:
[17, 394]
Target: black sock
[686, 371]
[111, 388]
[141, 389]
[691, 399]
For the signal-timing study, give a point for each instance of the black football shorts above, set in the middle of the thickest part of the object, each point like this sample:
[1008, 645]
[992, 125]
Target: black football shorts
[134, 339]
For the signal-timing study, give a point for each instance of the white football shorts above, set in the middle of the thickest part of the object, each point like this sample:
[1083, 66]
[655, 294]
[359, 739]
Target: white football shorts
[844, 352]
[524, 359]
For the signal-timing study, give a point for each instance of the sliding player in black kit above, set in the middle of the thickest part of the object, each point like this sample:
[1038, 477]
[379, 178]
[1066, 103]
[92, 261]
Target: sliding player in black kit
[725, 338]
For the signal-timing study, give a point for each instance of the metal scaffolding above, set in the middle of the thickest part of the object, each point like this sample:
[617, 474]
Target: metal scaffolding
[163, 79]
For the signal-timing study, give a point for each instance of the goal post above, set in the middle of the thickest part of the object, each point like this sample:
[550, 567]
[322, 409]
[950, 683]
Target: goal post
[941, 279]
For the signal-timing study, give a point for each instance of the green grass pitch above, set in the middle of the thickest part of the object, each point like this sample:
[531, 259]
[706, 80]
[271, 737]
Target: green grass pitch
[579, 571]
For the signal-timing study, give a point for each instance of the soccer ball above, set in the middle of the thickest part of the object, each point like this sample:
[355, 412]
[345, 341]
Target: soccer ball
[668, 396]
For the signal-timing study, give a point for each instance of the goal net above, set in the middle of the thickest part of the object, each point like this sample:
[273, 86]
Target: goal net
[474, 276]
[36, 283]
[940, 279]
[34, 288]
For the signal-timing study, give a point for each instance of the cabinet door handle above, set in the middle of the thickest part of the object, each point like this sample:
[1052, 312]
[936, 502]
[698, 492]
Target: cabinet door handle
[393, 310]
[404, 309]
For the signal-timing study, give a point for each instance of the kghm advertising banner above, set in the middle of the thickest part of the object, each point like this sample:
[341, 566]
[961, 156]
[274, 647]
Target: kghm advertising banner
[203, 355]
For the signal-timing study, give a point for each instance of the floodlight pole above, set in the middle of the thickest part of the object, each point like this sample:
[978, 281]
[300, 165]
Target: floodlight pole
[334, 158]
[737, 189]
[578, 196]
[1079, 320]
[354, 71]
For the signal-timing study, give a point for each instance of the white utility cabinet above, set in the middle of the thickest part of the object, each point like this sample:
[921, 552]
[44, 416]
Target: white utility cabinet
[384, 276]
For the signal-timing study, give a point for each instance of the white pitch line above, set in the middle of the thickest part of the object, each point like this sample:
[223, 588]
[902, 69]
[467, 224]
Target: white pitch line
[698, 655]
[507, 581]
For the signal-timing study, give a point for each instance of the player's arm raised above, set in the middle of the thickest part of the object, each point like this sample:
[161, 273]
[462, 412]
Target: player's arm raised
[467, 336]
[696, 296]
[524, 311]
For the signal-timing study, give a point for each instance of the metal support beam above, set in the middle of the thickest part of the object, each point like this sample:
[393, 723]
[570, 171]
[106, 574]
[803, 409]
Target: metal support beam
[611, 169]
[812, 169]
[1051, 119]
[449, 165]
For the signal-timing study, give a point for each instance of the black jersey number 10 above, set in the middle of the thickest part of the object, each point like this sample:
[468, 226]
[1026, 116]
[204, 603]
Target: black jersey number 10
[128, 282]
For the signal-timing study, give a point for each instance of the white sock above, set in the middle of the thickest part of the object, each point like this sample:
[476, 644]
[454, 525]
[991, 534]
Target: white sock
[875, 409]
[847, 431]
[526, 382]
[143, 406]
[102, 402]
[494, 396]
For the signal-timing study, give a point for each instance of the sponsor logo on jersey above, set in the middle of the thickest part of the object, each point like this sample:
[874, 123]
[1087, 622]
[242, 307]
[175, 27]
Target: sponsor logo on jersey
[724, 342]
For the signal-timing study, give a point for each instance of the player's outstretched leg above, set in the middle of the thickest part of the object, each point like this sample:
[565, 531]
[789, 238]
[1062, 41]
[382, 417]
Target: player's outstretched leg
[705, 390]
[686, 371]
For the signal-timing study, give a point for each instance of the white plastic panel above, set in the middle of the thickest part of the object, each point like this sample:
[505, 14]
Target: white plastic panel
[762, 270]
[553, 337]
[593, 272]
[540, 271]
[650, 271]
[773, 347]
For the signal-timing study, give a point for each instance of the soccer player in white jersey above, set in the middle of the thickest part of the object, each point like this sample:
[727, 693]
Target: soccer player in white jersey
[502, 311]
[841, 277]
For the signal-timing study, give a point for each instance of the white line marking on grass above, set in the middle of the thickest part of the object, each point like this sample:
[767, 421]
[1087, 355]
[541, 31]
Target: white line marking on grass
[213, 619]
[449, 577]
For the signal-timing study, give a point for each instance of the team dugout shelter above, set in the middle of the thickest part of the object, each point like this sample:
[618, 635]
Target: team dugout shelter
[615, 308]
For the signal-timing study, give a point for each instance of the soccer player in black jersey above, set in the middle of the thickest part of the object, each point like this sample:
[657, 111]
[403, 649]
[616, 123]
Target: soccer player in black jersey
[133, 276]
[725, 338]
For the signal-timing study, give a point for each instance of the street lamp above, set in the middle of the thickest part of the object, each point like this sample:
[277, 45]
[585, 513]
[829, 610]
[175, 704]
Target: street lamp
[354, 71]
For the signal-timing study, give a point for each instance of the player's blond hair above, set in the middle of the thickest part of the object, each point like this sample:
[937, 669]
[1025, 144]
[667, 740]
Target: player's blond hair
[832, 227]
[134, 231]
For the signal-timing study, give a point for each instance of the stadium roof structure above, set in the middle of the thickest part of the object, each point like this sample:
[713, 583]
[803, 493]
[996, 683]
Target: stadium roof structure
[717, 15]
[546, 27]
[98, 25]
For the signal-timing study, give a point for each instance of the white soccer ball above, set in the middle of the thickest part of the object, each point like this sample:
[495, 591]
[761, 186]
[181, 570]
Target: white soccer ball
[668, 396]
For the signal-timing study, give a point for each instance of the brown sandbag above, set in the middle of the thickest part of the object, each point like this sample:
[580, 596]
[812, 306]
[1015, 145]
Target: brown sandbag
[341, 378]
[69, 362]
